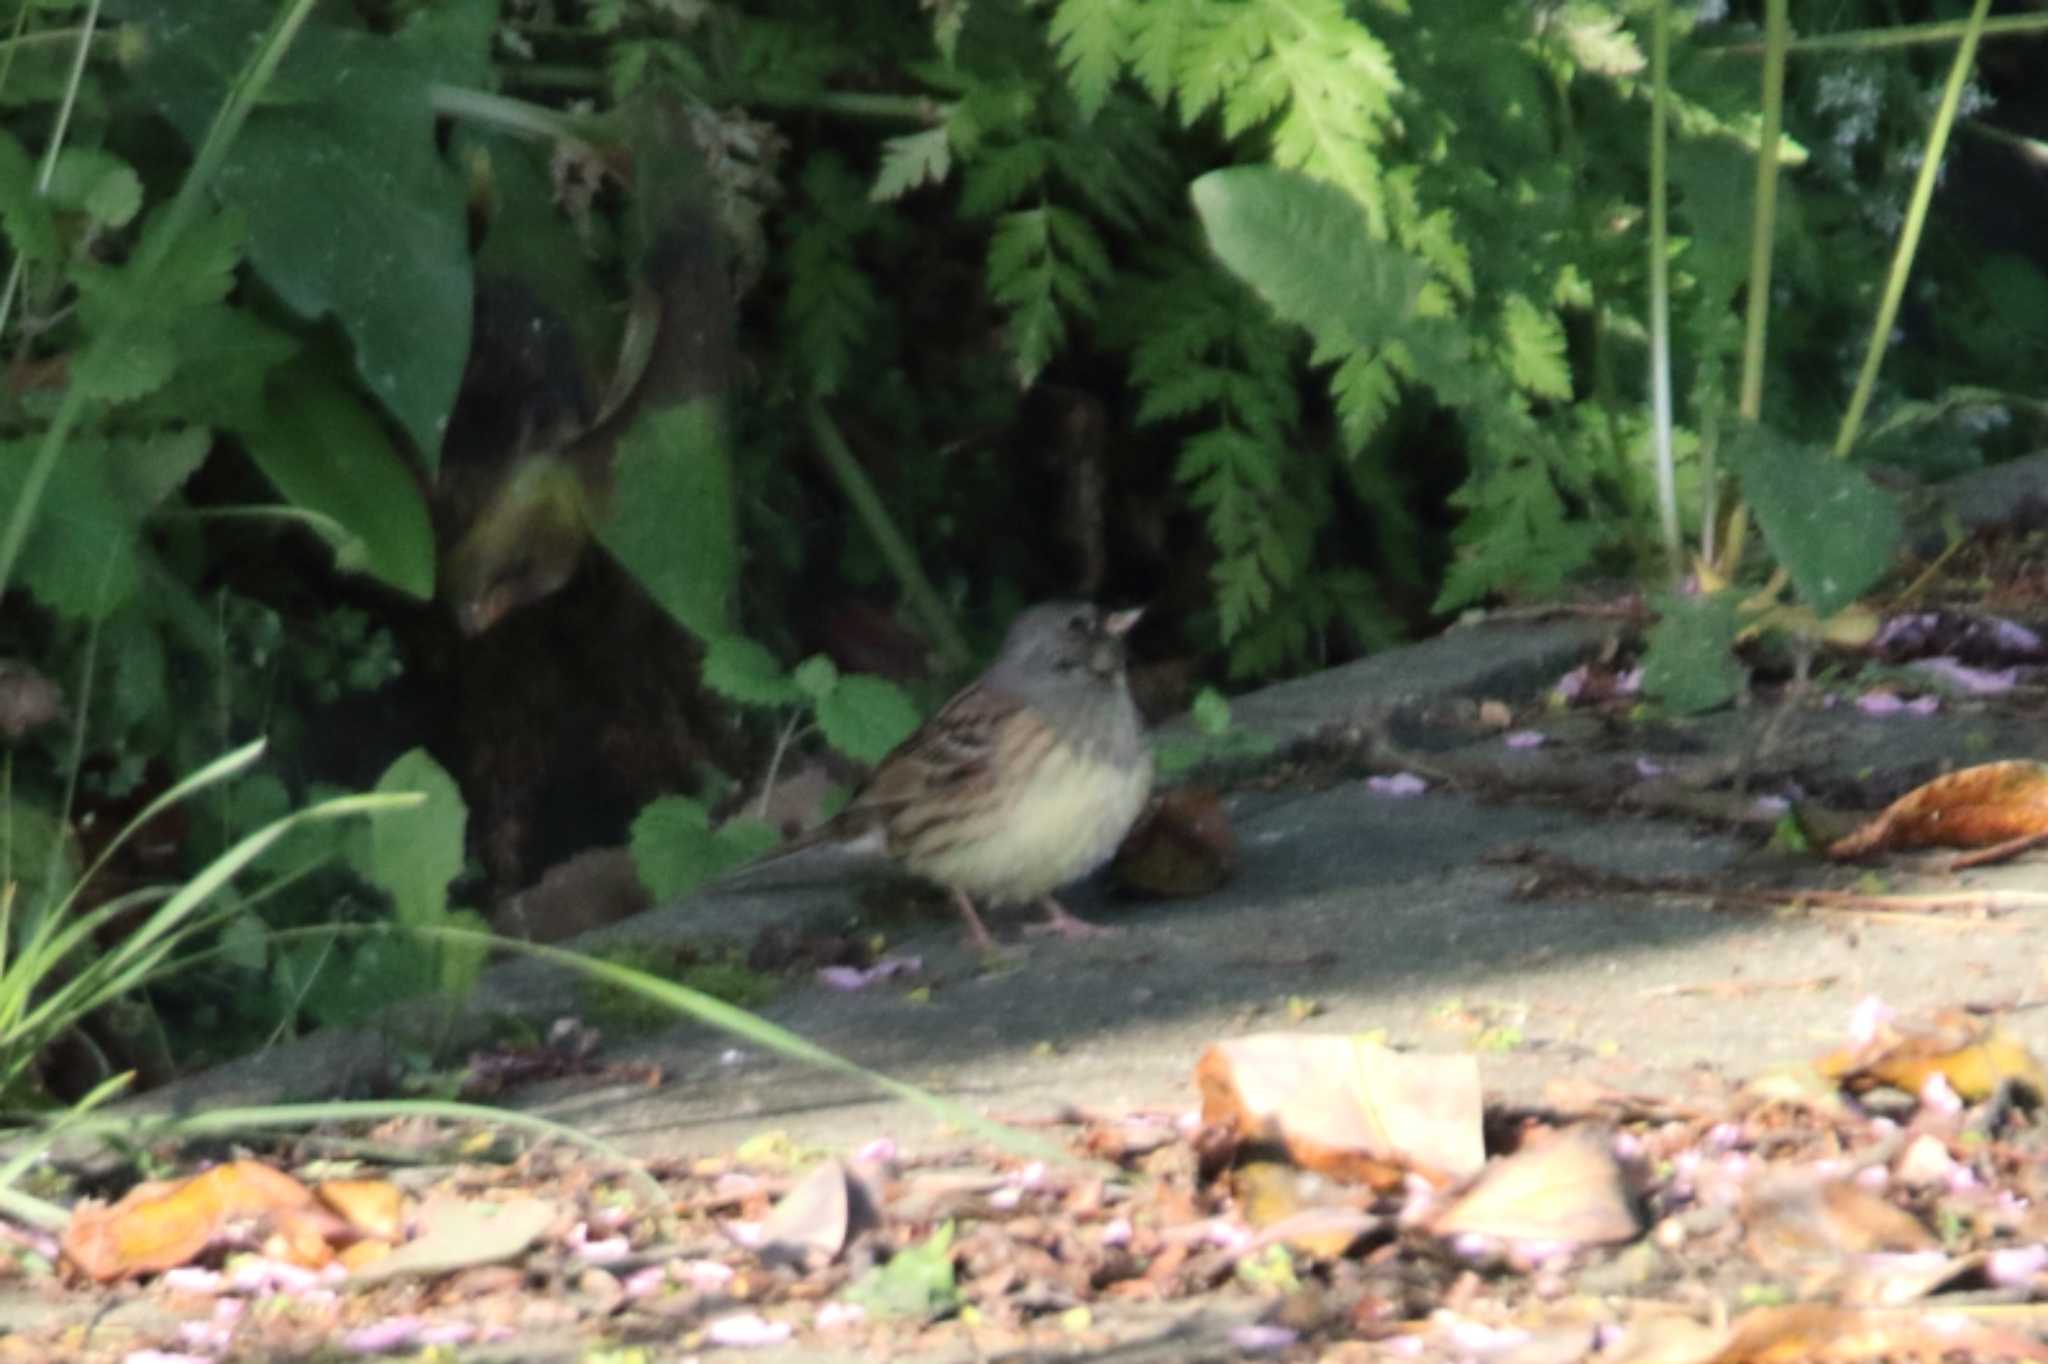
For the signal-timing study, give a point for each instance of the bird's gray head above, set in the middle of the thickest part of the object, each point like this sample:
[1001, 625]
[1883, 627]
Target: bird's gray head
[1070, 641]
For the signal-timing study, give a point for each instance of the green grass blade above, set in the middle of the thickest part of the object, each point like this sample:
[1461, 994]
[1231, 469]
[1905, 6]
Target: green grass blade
[1909, 231]
[740, 1023]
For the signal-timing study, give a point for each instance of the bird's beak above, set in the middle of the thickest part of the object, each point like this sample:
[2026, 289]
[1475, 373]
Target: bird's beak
[1119, 623]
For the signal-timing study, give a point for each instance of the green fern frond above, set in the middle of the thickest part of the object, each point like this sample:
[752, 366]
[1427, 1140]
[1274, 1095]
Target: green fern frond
[1031, 277]
[1091, 37]
[830, 306]
[1533, 348]
[1004, 176]
[911, 160]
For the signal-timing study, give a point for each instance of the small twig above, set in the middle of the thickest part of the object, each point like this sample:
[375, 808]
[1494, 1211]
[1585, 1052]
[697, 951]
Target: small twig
[859, 490]
[782, 743]
[1737, 989]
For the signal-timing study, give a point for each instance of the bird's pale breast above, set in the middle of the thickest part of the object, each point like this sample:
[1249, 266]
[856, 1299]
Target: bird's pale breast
[1056, 824]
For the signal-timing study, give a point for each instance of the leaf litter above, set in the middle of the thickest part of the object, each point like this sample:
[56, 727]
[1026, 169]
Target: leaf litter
[1347, 1201]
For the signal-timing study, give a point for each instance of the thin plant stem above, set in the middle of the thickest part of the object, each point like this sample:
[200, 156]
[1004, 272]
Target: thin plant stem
[1762, 237]
[1763, 227]
[1660, 290]
[859, 490]
[1909, 232]
[1902, 35]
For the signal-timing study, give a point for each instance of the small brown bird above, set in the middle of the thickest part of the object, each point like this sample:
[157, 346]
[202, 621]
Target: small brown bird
[1026, 780]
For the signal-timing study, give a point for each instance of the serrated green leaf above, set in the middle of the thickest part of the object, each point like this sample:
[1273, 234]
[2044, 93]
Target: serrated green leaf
[864, 717]
[1089, 36]
[325, 453]
[225, 359]
[1211, 712]
[816, 677]
[909, 161]
[80, 558]
[671, 522]
[1535, 349]
[413, 854]
[1690, 664]
[743, 671]
[1830, 527]
[24, 214]
[134, 363]
[146, 470]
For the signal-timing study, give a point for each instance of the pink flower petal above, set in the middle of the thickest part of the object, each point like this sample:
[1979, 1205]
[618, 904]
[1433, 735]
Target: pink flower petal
[747, 1329]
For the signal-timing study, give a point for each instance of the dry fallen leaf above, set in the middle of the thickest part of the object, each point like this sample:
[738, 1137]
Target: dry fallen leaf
[1298, 1208]
[1815, 1333]
[1561, 1186]
[455, 1233]
[817, 1217]
[163, 1224]
[1184, 846]
[1973, 808]
[1347, 1108]
[374, 1207]
[1974, 1054]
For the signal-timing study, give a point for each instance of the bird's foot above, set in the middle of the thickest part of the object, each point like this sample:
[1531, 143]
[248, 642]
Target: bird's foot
[1064, 922]
[978, 939]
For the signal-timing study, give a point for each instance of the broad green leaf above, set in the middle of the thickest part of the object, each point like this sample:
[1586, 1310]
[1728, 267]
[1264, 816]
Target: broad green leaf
[24, 214]
[918, 1282]
[909, 161]
[413, 855]
[1830, 527]
[741, 670]
[1211, 712]
[671, 522]
[452, 39]
[675, 849]
[1690, 665]
[98, 184]
[350, 210]
[864, 717]
[816, 677]
[327, 455]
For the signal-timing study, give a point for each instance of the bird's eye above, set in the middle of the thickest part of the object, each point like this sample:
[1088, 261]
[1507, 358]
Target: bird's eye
[1079, 622]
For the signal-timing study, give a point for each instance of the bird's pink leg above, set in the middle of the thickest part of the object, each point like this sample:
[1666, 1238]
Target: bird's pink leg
[977, 932]
[1059, 919]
